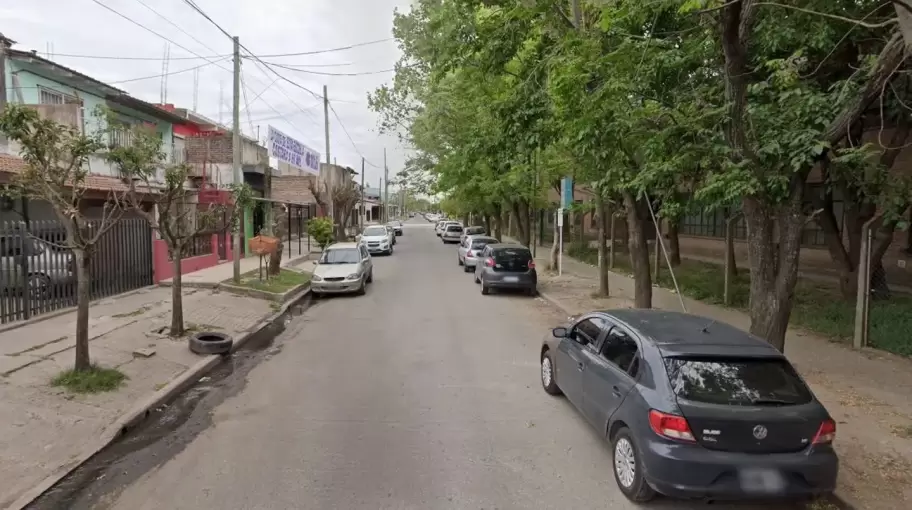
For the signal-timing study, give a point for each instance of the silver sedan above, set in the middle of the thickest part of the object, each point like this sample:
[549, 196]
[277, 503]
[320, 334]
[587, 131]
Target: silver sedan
[470, 249]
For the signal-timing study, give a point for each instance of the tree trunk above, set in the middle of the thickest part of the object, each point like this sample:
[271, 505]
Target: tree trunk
[883, 238]
[83, 296]
[773, 262]
[555, 244]
[521, 215]
[674, 242]
[603, 214]
[639, 253]
[466, 220]
[177, 297]
[487, 223]
[498, 226]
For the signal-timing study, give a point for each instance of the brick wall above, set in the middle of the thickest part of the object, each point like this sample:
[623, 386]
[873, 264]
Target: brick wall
[214, 149]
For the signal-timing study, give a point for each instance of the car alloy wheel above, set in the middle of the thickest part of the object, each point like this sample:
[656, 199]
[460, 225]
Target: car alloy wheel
[627, 472]
[624, 462]
[547, 375]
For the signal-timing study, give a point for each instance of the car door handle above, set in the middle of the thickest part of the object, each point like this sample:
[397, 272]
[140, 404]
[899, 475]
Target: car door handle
[616, 391]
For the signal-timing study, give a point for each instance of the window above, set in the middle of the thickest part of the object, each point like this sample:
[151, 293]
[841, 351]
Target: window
[47, 96]
[620, 349]
[478, 244]
[736, 382]
[587, 330]
[341, 256]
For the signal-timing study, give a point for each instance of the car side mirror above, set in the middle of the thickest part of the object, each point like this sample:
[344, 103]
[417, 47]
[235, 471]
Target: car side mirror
[560, 332]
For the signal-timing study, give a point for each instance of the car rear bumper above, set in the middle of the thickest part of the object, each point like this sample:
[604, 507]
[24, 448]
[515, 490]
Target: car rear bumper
[505, 280]
[450, 239]
[470, 262]
[690, 471]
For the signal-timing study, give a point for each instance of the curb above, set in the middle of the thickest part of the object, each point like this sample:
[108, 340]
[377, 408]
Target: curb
[142, 410]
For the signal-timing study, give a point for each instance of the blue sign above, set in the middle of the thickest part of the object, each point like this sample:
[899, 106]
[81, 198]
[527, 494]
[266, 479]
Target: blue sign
[288, 150]
[566, 192]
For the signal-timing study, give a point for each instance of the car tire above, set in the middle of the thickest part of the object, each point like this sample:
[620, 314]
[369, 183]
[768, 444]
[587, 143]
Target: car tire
[532, 292]
[370, 276]
[467, 269]
[459, 261]
[476, 278]
[362, 289]
[628, 468]
[484, 289]
[39, 285]
[549, 383]
[210, 342]
[316, 295]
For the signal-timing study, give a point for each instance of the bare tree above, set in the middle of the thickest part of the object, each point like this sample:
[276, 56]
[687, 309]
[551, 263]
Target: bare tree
[171, 208]
[57, 158]
[341, 200]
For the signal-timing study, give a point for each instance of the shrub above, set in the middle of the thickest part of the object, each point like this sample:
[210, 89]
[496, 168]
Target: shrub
[321, 229]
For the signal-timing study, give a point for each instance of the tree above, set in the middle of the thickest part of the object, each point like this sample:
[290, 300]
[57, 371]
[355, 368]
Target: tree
[172, 209]
[56, 158]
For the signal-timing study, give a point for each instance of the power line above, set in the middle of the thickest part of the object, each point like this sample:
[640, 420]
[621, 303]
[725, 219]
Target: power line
[159, 75]
[350, 139]
[175, 25]
[196, 8]
[363, 73]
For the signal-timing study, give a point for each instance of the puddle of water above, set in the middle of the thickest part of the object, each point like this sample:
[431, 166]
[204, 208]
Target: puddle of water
[167, 430]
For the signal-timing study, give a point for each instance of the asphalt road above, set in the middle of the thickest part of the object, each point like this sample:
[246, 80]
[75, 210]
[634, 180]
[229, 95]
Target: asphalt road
[423, 394]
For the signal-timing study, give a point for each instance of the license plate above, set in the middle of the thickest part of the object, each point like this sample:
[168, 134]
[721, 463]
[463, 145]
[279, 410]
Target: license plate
[511, 279]
[762, 481]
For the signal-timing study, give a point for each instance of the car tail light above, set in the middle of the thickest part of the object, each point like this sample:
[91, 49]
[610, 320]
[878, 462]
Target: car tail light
[489, 262]
[826, 433]
[671, 426]
[469, 254]
[531, 264]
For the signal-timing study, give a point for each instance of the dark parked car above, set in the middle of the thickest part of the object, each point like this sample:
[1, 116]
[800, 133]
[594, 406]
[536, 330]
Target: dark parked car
[693, 408]
[506, 266]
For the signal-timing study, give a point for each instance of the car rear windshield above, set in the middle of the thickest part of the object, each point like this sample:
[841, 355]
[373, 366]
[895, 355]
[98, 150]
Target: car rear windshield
[736, 381]
[478, 244]
[454, 228]
[511, 256]
[475, 230]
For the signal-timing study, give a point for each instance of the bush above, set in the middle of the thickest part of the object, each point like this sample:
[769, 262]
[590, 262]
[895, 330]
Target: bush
[93, 380]
[321, 229]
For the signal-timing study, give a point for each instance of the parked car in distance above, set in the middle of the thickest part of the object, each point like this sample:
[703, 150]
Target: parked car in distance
[397, 227]
[451, 233]
[470, 250]
[377, 239]
[713, 411]
[472, 231]
[342, 268]
[506, 266]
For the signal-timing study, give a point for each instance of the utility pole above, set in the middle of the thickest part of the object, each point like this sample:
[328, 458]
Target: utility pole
[236, 150]
[386, 184]
[362, 194]
[328, 159]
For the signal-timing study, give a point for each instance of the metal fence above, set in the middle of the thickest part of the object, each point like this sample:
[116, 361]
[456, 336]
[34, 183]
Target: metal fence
[38, 275]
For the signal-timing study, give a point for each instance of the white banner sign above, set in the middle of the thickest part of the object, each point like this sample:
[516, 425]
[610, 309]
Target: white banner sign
[288, 150]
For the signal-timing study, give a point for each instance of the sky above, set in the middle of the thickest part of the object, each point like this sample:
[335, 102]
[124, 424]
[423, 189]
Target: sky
[265, 27]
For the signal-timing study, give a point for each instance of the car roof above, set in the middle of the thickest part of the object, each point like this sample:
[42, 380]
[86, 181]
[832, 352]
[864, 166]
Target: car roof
[499, 246]
[342, 246]
[684, 333]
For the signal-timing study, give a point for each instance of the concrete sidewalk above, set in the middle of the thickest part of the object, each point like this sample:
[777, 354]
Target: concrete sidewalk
[212, 276]
[45, 430]
[866, 392]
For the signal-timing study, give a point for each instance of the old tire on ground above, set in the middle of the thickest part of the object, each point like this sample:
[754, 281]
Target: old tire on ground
[210, 342]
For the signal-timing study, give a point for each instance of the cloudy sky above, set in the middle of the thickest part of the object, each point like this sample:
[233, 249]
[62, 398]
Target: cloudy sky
[266, 27]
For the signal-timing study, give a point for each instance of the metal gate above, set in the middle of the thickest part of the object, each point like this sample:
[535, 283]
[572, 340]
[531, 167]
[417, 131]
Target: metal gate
[37, 274]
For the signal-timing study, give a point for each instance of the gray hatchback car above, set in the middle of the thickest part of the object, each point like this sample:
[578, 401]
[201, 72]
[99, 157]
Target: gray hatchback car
[506, 266]
[693, 408]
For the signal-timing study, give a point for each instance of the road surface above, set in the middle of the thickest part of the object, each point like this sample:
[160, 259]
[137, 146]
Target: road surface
[423, 394]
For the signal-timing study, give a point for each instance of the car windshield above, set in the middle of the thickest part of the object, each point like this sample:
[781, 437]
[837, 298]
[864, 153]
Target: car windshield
[375, 231]
[395, 223]
[341, 256]
[736, 381]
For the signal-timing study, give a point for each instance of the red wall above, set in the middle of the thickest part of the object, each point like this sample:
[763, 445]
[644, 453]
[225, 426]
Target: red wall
[162, 268]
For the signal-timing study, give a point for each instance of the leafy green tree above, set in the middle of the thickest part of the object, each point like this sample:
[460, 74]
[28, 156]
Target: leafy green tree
[57, 158]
